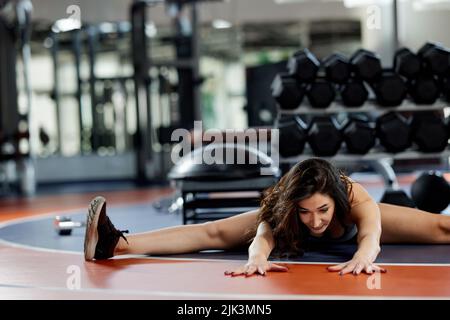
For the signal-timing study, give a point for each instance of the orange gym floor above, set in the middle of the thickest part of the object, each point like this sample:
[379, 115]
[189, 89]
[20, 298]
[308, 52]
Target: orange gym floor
[28, 272]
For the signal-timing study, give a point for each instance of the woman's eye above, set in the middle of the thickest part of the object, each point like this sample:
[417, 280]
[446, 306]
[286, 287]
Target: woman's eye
[324, 210]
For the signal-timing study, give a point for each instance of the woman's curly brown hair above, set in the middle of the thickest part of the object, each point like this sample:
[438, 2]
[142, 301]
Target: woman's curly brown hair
[280, 202]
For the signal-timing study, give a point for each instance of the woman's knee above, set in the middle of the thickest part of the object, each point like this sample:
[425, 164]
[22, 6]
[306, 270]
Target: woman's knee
[443, 226]
[228, 233]
[211, 229]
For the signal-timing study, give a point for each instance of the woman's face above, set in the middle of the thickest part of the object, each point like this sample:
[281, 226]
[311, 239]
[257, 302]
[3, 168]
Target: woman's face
[316, 212]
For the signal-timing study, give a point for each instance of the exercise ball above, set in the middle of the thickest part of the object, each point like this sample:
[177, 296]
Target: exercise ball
[235, 162]
[431, 192]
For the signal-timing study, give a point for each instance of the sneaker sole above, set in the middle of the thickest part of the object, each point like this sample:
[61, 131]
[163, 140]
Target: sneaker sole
[91, 235]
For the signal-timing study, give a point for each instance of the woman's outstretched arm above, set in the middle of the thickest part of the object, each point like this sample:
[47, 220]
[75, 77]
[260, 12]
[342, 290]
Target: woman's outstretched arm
[258, 253]
[365, 213]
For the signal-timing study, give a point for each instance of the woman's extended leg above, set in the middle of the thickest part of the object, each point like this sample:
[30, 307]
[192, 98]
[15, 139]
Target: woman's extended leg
[103, 240]
[408, 225]
[220, 234]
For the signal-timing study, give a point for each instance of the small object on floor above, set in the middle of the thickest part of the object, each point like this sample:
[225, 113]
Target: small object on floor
[64, 225]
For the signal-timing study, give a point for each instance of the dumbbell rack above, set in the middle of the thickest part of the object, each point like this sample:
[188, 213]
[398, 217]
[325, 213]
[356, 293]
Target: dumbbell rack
[370, 106]
[377, 158]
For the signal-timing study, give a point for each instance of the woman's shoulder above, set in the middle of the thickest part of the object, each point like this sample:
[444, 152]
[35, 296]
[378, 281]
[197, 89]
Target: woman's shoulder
[357, 193]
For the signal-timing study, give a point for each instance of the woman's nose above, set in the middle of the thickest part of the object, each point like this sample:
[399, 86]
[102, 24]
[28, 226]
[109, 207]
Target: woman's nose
[316, 221]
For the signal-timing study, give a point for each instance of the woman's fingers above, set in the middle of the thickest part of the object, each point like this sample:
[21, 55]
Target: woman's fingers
[246, 270]
[358, 268]
[236, 272]
[277, 267]
[343, 268]
[250, 270]
[262, 271]
[338, 267]
[349, 268]
[379, 269]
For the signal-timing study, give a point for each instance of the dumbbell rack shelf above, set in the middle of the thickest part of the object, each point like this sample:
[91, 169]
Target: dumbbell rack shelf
[371, 156]
[337, 107]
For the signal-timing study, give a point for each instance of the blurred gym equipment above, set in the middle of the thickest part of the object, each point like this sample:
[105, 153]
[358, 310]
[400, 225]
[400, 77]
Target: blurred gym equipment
[15, 147]
[431, 192]
[366, 65]
[219, 190]
[320, 94]
[359, 134]
[324, 136]
[394, 132]
[287, 92]
[337, 68]
[435, 58]
[390, 89]
[293, 136]
[353, 93]
[406, 63]
[398, 198]
[424, 88]
[429, 132]
[303, 66]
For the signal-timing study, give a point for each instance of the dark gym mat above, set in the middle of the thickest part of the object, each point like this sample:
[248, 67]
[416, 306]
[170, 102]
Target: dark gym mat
[336, 253]
[144, 217]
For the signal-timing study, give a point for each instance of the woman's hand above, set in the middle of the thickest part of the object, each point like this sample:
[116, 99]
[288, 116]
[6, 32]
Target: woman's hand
[256, 266]
[357, 265]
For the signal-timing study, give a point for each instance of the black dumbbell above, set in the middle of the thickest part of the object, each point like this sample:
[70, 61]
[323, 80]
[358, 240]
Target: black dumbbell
[324, 136]
[64, 225]
[431, 192]
[321, 93]
[435, 58]
[303, 66]
[337, 68]
[287, 92]
[398, 198]
[293, 136]
[444, 86]
[353, 93]
[424, 88]
[359, 134]
[394, 132]
[390, 89]
[366, 65]
[430, 132]
[406, 63]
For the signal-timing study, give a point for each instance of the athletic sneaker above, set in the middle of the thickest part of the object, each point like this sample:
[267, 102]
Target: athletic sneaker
[101, 236]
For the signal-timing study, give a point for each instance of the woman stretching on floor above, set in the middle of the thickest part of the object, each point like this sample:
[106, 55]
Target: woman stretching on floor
[313, 202]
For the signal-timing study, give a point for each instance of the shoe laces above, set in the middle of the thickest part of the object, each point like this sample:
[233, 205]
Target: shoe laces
[121, 232]
[113, 232]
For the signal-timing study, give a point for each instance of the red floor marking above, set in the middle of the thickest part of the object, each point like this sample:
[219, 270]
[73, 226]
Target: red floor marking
[35, 271]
